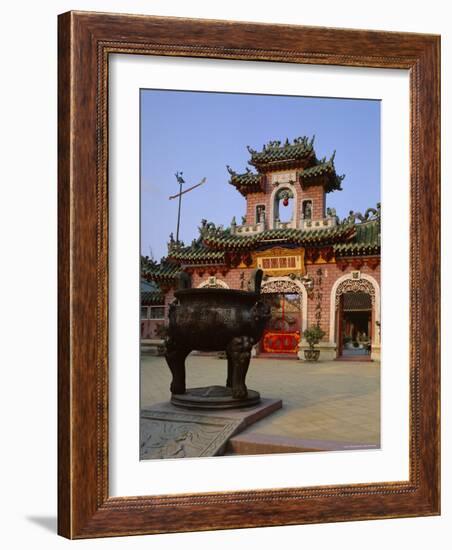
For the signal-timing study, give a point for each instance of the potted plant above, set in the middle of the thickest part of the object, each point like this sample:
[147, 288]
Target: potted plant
[313, 335]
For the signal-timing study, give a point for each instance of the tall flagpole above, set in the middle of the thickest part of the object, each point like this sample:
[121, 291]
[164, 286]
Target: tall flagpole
[181, 181]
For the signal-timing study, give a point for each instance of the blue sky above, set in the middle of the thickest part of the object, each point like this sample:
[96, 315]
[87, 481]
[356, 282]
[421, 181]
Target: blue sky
[199, 133]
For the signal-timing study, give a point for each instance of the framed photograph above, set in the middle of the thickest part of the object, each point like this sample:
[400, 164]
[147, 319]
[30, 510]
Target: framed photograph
[248, 275]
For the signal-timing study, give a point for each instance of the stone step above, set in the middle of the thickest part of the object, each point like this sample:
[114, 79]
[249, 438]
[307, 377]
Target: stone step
[256, 443]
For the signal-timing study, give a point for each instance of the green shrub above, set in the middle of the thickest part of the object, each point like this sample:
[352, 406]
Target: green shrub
[313, 335]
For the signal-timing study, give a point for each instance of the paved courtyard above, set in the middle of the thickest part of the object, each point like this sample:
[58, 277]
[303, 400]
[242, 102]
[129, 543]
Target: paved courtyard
[329, 400]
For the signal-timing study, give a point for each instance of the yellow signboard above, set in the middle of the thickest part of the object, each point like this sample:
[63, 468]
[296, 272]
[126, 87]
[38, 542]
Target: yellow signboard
[280, 261]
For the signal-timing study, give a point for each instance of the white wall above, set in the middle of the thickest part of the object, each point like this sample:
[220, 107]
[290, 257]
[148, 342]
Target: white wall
[28, 268]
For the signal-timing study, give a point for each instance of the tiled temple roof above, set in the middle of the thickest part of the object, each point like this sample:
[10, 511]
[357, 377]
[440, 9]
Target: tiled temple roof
[333, 181]
[215, 245]
[368, 232]
[365, 243]
[356, 249]
[275, 152]
[275, 155]
[249, 182]
[152, 298]
[164, 271]
[150, 293]
[227, 242]
[199, 253]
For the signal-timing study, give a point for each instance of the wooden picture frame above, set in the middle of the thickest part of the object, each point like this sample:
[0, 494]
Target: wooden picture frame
[86, 40]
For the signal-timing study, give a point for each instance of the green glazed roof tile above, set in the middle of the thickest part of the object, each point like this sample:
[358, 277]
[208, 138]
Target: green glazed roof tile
[293, 236]
[366, 241]
[248, 178]
[317, 170]
[162, 271]
[368, 233]
[198, 253]
[248, 182]
[333, 181]
[356, 249]
[152, 298]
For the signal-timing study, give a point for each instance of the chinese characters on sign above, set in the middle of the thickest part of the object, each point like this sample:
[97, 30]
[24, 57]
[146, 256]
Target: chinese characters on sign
[281, 262]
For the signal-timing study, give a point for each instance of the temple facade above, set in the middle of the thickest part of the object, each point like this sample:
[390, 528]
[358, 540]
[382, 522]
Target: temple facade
[318, 269]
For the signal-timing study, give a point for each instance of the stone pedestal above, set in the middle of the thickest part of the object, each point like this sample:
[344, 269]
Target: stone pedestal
[214, 398]
[168, 431]
[327, 350]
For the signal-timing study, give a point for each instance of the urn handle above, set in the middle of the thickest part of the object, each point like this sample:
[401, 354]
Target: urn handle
[261, 312]
[183, 281]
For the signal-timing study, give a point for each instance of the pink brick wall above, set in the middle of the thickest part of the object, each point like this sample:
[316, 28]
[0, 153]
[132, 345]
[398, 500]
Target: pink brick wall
[233, 278]
[252, 200]
[317, 195]
[314, 193]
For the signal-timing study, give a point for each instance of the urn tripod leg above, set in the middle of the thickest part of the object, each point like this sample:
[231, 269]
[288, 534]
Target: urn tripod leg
[175, 357]
[230, 369]
[239, 356]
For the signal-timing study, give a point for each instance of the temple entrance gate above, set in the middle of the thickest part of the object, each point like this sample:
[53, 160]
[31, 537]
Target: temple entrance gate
[355, 313]
[284, 330]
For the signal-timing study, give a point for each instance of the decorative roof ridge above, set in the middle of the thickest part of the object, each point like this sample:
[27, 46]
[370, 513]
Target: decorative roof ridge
[248, 172]
[370, 215]
[226, 241]
[246, 182]
[276, 145]
[320, 167]
[275, 152]
[165, 269]
[322, 163]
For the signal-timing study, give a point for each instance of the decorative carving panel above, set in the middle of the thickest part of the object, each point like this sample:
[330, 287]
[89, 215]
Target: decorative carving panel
[283, 178]
[280, 286]
[355, 285]
[167, 434]
[213, 282]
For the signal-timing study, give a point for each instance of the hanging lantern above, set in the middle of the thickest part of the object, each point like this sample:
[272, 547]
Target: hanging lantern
[285, 196]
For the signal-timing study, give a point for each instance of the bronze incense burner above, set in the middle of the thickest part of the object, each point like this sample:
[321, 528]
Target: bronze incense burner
[215, 319]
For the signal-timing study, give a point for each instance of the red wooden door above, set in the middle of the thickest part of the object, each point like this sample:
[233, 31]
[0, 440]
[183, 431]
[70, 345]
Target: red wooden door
[283, 332]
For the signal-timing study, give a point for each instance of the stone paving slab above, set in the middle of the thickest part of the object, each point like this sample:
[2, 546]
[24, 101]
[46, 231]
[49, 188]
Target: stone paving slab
[329, 400]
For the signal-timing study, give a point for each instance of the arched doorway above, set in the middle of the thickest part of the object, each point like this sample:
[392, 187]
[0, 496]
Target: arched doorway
[283, 207]
[283, 332]
[355, 318]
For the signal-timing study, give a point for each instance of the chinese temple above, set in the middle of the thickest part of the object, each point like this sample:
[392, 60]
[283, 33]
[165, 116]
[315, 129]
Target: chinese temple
[318, 269]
